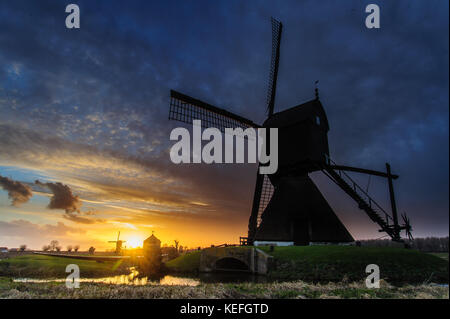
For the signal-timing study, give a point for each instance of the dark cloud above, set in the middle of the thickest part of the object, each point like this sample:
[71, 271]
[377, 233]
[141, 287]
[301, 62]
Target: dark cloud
[18, 192]
[62, 197]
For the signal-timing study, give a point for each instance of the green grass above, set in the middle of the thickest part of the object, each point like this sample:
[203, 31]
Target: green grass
[185, 263]
[336, 263]
[48, 266]
[441, 255]
[308, 263]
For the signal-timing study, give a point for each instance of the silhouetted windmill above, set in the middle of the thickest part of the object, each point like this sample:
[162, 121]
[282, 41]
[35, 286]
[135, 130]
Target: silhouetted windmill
[118, 243]
[287, 206]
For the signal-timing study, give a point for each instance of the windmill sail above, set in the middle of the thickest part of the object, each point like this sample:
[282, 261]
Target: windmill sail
[185, 109]
[263, 187]
[273, 75]
[262, 195]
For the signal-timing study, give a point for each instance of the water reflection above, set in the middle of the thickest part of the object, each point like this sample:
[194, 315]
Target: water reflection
[133, 278]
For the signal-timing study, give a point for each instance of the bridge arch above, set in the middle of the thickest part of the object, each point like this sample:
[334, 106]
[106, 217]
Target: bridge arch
[231, 264]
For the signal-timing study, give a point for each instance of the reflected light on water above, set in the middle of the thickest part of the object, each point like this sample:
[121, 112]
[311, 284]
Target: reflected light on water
[130, 279]
[178, 281]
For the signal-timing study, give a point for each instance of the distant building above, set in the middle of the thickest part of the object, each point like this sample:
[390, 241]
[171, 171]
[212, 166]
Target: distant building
[152, 243]
[152, 254]
[3, 249]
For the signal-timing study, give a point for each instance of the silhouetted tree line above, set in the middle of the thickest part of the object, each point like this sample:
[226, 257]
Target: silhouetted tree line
[428, 244]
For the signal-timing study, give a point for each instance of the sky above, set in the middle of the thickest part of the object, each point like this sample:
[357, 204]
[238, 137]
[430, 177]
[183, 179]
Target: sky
[85, 112]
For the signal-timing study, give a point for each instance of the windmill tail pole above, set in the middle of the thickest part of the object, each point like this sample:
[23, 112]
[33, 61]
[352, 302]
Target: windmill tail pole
[393, 205]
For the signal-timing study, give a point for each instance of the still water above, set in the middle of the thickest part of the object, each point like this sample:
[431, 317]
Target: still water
[168, 280]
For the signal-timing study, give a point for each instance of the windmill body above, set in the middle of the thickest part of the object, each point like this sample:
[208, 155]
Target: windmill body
[118, 243]
[302, 138]
[297, 212]
[288, 208]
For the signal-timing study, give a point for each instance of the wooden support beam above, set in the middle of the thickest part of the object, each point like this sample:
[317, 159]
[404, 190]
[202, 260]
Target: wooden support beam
[362, 170]
[393, 204]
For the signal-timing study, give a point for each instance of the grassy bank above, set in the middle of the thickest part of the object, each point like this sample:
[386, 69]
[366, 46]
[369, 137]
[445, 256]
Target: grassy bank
[40, 266]
[337, 263]
[187, 263]
[309, 263]
[441, 255]
[297, 290]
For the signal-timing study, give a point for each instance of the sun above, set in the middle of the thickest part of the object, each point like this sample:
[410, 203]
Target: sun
[134, 242]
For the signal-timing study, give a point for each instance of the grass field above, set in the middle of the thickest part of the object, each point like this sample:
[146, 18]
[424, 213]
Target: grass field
[337, 263]
[441, 255]
[283, 290]
[185, 263]
[300, 272]
[40, 266]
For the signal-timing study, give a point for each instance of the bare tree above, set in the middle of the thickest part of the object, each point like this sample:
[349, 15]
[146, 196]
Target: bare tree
[58, 248]
[46, 247]
[170, 252]
[69, 248]
[91, 250]
[176, 241]
[23, 247]
[53, 245]
[76, 247]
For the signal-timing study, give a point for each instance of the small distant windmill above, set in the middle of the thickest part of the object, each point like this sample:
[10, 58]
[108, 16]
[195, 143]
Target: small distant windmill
[287, 206]
[118, 243]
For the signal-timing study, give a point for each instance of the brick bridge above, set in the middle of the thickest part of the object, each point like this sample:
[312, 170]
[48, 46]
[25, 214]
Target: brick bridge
[245, 259]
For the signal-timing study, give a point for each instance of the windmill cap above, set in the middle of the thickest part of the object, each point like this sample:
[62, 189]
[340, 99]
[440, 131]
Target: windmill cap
[299, 113]
[152, 239]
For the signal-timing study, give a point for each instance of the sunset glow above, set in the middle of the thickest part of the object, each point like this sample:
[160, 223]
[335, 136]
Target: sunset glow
[134, 242]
